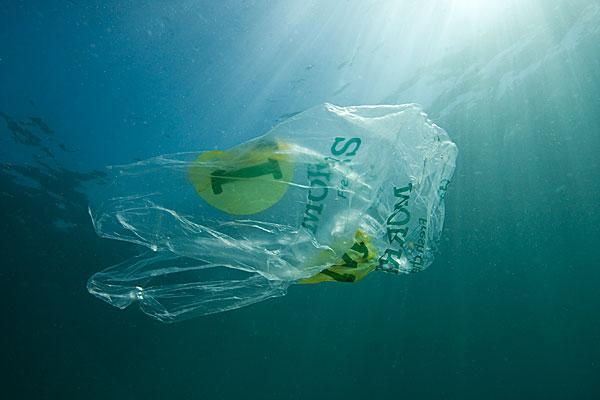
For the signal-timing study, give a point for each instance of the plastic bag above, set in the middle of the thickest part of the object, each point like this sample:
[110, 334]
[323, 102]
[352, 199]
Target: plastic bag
[331, 194]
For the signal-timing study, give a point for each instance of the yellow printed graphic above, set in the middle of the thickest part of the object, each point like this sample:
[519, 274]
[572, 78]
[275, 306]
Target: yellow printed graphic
[354, 264]
[244, 180]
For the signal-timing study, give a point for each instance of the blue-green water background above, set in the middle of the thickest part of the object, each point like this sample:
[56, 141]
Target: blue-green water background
[510, 308]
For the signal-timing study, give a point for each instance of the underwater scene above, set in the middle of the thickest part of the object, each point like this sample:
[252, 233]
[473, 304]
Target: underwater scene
[300, 199]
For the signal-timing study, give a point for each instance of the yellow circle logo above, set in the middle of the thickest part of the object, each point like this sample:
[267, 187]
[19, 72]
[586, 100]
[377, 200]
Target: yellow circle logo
[245, 180]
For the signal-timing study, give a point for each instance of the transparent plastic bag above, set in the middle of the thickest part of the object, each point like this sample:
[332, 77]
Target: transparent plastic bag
[330, 194]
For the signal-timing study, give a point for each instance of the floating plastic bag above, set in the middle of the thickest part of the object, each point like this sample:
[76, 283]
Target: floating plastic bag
[330, 194]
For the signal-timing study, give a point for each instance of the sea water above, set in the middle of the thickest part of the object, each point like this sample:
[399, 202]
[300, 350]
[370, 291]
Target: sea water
[509, 309]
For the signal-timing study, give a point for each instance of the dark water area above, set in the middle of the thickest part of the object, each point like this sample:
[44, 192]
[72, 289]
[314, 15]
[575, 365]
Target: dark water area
[509, 309]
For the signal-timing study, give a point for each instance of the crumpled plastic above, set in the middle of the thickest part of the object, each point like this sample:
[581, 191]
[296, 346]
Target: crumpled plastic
[330, 194]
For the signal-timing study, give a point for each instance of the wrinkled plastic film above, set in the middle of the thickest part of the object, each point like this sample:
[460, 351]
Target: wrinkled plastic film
[330, 194]
[171, 288]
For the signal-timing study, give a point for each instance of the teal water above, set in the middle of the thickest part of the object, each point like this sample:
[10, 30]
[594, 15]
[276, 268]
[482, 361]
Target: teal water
[508, 309]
